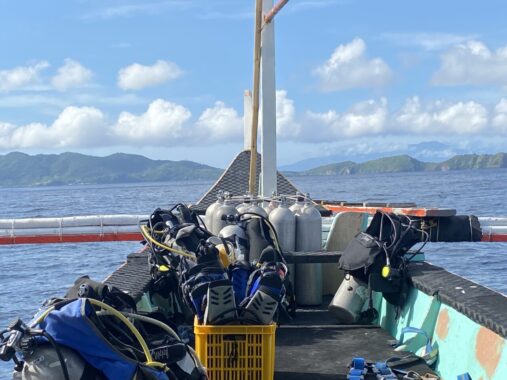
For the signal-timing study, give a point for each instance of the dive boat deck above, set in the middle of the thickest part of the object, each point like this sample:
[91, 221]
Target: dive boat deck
[478, 303]
[313, 346]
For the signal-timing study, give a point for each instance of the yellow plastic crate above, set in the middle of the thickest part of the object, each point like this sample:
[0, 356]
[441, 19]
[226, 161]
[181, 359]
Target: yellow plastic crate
[236, 352]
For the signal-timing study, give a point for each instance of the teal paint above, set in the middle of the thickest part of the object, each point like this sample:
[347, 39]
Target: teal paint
[144, 304]
[456, 337]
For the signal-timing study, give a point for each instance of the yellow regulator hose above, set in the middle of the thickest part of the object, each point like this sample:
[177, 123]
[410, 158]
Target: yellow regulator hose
[149, 360]
[146, 234]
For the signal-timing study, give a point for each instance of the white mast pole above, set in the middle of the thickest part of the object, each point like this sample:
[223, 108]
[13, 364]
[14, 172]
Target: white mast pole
[247, 119]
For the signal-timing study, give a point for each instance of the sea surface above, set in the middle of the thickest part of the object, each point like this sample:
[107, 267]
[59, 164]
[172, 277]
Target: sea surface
[31, 273]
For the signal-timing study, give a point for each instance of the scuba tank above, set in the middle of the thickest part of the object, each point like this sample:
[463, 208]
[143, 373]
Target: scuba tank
[247, 201]
[349, 300]
[251, 205]
[256, 209]
[298, 205]
[284, 222]
[272, 204]
[227, 208]
[235, 234]
[43, 363]
[208, 218]
[308, 286]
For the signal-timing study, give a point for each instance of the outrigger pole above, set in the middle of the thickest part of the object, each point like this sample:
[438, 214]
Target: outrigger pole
[264, 39]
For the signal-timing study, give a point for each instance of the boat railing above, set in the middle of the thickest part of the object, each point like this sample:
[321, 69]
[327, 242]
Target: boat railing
[109, 228]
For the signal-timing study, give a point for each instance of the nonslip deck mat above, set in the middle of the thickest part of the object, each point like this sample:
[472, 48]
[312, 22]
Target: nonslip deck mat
[313, 346]
[133, 276]
[235, 180]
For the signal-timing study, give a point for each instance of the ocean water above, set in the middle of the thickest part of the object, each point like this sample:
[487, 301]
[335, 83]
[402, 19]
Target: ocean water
[31, 273]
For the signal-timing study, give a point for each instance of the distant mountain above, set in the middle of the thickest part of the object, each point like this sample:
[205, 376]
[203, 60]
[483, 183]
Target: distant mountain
[428, 151]
[20, 169]
[405, 163]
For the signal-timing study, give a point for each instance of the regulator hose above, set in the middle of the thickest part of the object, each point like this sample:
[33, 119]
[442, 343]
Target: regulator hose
[149, 360]
[146, 234]
[65, 370]
[167, 329]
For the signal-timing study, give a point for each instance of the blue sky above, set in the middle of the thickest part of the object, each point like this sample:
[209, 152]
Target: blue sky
[166, 78]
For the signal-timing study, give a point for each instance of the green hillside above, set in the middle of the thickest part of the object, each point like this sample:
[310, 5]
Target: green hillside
[19, 169]
[405, 163]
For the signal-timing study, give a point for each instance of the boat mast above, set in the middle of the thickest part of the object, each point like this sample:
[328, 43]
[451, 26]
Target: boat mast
[252, 186]
[247, 120]
[264, 75]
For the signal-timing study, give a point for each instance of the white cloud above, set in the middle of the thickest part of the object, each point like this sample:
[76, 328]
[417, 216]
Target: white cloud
[51, 103]
[21, 76]
[74, 127]
[137, 76]
[163, 121]
[472, 63]
[373, 118]
[413, 117]
[286, 125]
[145, 7]
[78, 127]
[500, 118]
[367, 117]
[219, 123]
[222, 123]
[6, 130]
[427, 41]
[348, 67]
[463, 118]
[38, 101]
[441, 118]
[71, 74]
[364, 118]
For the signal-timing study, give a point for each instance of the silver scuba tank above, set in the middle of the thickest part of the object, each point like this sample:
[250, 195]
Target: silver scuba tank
[224, 210]
[208, 217]
[298, 205]
[251, 204]
[256, 209]
[349, 300]
[272, 204]
[295, 208]
[308, 284]
[247, 201]
[43, 363]
[284, 222]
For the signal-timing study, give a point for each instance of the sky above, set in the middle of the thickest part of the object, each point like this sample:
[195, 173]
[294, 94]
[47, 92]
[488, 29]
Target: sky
[165, 78]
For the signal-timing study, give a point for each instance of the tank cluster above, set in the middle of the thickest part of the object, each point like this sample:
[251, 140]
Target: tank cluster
[298, 225]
